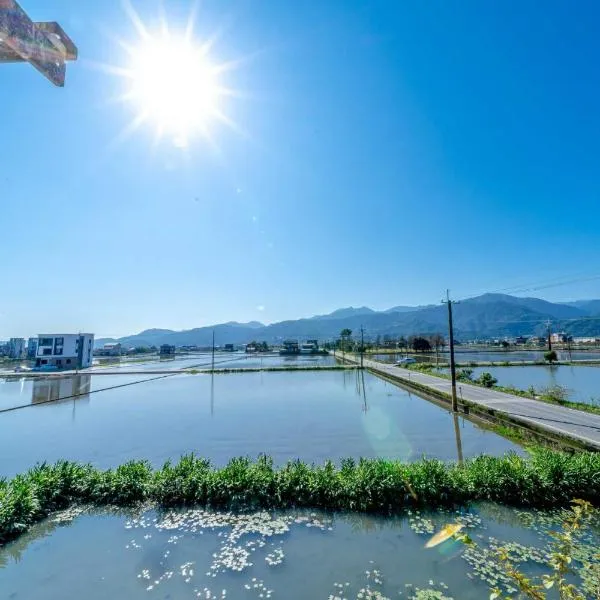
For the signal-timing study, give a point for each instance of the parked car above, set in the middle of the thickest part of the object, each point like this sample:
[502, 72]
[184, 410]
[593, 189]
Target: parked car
[22, 369]
[406, 361]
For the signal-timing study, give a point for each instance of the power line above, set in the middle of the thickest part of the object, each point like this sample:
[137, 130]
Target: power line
[536, 286]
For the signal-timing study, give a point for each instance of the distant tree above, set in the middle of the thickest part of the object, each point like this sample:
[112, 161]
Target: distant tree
[421, 344]
[402, 343]
[550, 356]
[436, 340]
[504, 344]
[345, 336]
[569, 346]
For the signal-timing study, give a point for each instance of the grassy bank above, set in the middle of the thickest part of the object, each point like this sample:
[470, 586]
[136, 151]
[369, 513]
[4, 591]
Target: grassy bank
[544, 479]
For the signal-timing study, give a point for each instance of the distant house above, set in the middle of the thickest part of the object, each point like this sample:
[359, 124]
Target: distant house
[520, 340]
[16, 348]
[65, 350]
[559, 338]
[167, 350]
[586, 340]
[251, 348]
[113, 349]
[290, 347]
[228, 348]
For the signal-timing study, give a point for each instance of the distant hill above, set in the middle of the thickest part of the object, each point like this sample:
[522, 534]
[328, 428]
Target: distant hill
[249, 324]
[406, 308]
[590, 307]
[342, 313]
[486, 316]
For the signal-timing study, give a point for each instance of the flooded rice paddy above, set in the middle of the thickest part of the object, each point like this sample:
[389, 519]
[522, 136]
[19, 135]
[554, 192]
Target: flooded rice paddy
[582, 382]
[499, 356]
[314, 416]
[197, 553]
[223, 360]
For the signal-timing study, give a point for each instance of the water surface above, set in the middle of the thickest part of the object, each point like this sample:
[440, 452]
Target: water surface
[23, 390]
[291, 555]
[314, 415]
[582, 382]
[496, 357]
[224, 360]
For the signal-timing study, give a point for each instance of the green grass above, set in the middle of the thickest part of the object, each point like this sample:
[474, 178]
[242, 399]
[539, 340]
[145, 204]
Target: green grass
[546, 478]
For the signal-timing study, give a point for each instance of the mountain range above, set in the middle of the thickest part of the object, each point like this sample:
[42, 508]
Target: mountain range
[486, 316]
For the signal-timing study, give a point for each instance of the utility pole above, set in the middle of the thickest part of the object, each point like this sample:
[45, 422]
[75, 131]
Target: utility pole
[362, 345]
[451, 338]
[548, 323]
[213, 353]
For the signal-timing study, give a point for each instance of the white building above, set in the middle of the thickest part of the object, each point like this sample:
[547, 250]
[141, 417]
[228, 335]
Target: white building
[65, 350]
[16, 348]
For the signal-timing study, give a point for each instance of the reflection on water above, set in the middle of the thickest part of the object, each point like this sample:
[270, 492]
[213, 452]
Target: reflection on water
[313, 416]
[197, 553]
[60, 388]
[499, 356]
[225, 361]
[26, 391]
[582, 382]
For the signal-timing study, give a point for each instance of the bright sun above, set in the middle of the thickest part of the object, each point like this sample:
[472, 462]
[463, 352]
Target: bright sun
[171, 81]
[174, 86]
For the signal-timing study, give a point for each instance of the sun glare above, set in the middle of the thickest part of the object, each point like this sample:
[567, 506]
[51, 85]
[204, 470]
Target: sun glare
[171, 82]
[174, 86]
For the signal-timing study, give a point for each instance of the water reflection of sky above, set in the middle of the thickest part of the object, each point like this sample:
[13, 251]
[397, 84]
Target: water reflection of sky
[582, 382]
[314, 416]
[497, 357]
[223, 360]
[287, 554]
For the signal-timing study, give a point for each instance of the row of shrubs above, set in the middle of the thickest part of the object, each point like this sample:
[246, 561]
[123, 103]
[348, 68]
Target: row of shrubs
[545, 478]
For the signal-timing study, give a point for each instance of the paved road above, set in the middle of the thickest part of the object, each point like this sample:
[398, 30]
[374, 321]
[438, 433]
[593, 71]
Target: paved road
[575, 424]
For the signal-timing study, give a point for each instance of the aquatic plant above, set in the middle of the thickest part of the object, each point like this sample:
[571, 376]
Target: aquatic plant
[545, 478]
[559, 560]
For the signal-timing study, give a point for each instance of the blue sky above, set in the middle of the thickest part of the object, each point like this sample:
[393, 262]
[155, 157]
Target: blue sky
[383, 152]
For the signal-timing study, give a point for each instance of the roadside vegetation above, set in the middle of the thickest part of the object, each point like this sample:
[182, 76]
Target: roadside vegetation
[546, 478]
[555, 394]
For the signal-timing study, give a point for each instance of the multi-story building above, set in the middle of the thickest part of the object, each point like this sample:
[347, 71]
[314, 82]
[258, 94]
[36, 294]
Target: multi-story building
[32, 347]
[16, 348]
[65, 350]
